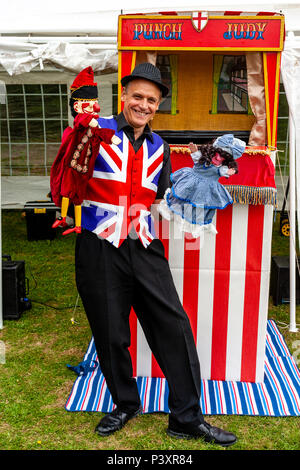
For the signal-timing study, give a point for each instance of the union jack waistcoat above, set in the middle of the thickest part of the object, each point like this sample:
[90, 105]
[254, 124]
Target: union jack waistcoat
[122, 188]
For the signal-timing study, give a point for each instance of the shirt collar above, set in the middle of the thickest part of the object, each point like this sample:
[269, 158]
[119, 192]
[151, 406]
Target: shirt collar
[122, 124]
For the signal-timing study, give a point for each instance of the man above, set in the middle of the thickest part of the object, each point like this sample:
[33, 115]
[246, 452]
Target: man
[120, 264]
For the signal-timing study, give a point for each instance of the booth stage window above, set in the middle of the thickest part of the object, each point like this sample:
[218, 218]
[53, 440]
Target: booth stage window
[32, 120]
[167, 65]
[114, 91]
[230, 90]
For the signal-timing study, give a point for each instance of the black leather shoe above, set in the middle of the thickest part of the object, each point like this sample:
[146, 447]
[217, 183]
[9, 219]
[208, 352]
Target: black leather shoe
[203, 430]
[114, 421]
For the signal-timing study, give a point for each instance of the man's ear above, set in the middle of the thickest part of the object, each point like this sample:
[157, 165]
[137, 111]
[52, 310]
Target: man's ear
[123, 93]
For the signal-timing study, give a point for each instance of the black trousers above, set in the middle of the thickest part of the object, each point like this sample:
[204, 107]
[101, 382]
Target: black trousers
[112, 280]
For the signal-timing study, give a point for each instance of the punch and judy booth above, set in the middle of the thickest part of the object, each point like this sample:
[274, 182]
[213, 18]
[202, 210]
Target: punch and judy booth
[223, 71]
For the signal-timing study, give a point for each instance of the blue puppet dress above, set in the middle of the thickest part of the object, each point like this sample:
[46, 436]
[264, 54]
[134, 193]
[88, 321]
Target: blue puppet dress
[194, 197]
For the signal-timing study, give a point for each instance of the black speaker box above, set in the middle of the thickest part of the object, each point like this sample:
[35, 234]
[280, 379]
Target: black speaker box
[280, 280]
[40, 216]
[13, 288]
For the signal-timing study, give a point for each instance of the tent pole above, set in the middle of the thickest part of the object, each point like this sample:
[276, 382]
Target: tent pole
[1, 295]
[292, 327]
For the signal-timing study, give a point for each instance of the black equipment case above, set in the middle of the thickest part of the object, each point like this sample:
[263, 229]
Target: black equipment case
[280, 280]
[13, 288]
[40, 216]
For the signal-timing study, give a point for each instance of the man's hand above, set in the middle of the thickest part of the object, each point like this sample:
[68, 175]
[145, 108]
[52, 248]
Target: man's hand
[154, 210]
[230, 171]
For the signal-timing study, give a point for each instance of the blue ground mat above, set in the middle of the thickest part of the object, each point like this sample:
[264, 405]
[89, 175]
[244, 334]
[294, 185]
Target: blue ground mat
[278, 395]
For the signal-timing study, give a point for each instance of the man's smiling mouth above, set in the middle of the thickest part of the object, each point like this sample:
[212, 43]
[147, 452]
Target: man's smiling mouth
[140, 113]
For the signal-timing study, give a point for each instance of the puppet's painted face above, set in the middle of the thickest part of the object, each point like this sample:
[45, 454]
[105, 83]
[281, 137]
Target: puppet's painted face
[217, 160]
[88, 107]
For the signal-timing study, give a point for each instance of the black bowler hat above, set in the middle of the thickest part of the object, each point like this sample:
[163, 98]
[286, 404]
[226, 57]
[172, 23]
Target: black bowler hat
[149, 72]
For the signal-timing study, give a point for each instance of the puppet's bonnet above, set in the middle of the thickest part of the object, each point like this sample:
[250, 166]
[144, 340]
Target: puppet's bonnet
[230, 144]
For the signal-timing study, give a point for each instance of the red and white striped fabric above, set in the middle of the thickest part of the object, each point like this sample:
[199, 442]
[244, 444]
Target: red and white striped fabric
[223, 283]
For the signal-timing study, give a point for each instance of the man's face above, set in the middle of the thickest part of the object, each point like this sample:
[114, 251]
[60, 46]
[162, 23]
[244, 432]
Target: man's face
[141, 100]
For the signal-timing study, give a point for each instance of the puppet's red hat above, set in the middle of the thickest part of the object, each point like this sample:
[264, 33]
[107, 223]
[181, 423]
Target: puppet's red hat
[84, 86]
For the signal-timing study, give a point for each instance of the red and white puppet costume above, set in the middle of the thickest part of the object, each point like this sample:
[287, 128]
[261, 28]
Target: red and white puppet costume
[74, 163]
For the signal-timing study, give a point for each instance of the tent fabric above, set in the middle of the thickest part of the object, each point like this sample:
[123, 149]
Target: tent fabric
[17, 190]
[17, 58]
[57, 17]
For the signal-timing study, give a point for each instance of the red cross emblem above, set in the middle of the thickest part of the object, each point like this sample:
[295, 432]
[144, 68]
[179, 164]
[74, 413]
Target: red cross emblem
[199, 20]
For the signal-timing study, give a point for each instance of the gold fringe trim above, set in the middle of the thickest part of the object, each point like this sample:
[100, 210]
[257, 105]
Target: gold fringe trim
[257, 151]
[252, 195]
[179, 149]
[249, 150]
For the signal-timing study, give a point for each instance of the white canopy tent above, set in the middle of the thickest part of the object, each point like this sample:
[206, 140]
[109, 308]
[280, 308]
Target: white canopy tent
[67, 35]
[60, 39]
[291, 79]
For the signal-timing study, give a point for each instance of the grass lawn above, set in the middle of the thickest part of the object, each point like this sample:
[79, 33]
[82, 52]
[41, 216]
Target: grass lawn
[35, 382]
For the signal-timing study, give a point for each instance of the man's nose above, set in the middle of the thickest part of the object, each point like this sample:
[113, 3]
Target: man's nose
[96, 108]
[143, 103]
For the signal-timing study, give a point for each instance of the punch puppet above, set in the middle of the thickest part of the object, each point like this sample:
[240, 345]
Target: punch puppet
[74, 163]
